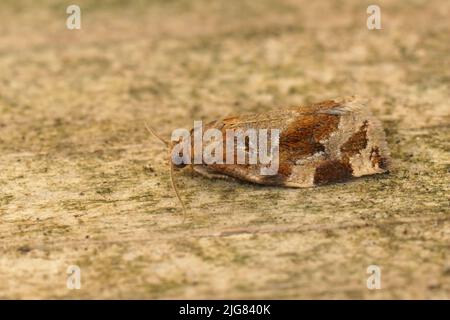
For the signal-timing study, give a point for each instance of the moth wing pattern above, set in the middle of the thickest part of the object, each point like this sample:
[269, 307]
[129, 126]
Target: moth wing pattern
[326, 142]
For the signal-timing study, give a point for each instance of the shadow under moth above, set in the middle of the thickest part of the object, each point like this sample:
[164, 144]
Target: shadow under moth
[326, 142]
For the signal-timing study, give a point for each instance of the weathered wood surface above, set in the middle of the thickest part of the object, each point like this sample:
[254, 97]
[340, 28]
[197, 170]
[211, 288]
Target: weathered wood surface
[82, 182]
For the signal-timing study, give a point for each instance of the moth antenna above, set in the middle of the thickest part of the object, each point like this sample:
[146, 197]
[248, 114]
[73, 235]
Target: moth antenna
[172, 180]
[174, 187]
[157, 136]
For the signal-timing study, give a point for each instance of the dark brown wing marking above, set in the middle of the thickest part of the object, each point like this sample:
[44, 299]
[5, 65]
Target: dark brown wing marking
[357, 142]
[332, 171]
[377, 159]
[302, 139]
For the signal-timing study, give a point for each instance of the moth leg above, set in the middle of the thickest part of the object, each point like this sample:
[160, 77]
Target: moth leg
[206, 173]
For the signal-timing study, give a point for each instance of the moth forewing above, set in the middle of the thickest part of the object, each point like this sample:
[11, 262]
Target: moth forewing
[330, 141]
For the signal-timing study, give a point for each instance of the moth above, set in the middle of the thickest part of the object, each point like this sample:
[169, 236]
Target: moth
[327, 142]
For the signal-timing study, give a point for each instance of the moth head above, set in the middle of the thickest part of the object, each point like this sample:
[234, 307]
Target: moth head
[177, 148]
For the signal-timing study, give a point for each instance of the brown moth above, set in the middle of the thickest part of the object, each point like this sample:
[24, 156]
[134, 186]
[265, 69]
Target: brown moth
[325, 142]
